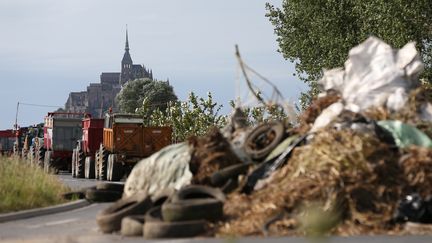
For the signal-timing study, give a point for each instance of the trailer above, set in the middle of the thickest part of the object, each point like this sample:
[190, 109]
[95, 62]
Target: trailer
[7, 140]
[83, 157]
[126, 141]
[60, 132]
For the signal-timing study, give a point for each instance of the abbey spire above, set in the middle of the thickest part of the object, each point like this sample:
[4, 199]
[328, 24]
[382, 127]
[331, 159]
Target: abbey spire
[127, 60]
[126, 64]
[127, 41]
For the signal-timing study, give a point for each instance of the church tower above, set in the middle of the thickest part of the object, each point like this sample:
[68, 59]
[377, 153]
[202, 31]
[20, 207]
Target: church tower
[126, 64]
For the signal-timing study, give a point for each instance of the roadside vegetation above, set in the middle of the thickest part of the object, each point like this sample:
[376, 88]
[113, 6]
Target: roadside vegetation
[196, 115]
[23, 186]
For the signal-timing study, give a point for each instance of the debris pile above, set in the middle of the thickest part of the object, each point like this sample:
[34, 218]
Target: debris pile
[367, 147]
[351, 166]
[211, 153]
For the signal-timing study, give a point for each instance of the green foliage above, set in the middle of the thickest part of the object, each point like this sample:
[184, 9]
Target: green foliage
[156, 93]
[196, 115]
[192, 117]
[23, 186]
[261, 113]
[318, 34]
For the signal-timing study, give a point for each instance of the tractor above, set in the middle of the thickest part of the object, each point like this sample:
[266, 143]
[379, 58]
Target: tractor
[126, 141]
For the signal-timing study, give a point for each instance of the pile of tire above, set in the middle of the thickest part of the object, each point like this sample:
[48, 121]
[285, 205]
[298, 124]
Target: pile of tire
[227, 179]
[169, 214]
[263, 139]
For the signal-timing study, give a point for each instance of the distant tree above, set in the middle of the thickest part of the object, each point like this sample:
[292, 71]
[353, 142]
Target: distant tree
[318, 34]
[191, 117]
[156, 93]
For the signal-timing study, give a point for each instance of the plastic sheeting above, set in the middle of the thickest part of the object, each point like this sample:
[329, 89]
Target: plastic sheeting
[405, 135]
[374, 75]
[168, 168]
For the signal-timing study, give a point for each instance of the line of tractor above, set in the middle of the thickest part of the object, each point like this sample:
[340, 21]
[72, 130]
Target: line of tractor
[93, 148]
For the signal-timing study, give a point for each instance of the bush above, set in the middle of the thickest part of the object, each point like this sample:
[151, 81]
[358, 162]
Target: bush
[23, 186]
[192, 117]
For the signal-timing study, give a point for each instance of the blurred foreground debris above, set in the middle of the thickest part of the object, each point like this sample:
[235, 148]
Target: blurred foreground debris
[358, 162]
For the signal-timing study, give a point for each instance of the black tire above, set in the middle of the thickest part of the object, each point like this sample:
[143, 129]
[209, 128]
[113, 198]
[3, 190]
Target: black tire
[198, 192]
[80, 163]
[103, 162]
[115, 169]
[73, 195]
[41, 157]
[132, 225]
[73, 163]
[96, 168]
[24, 153]
[109, 219]
[111, 187]
[47, 161]
[193, 209]
[162, 196]
[220, 177]
[95, 195]
[109, 167]
[230, 185]
[263, 139]
[89, 168]
[155, 228]
[32, 155]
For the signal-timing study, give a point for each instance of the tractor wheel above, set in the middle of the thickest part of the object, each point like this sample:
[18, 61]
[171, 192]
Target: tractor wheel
[47, 161]
[24, 153]
[115, 169]
[103, 162]
[41, 157]
[32, 155]
[89, 168]
[80, 163]
[15, 150]
[109, 166]
[96, 167]
[73, 163]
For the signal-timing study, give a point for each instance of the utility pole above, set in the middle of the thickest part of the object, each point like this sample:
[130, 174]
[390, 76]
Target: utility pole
[16, 117]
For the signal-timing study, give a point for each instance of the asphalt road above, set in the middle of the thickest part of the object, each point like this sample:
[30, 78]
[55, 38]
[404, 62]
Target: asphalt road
[76, 183]
[80, 226]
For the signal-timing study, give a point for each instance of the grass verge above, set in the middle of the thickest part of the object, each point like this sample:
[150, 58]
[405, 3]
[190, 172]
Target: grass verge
[24, 186]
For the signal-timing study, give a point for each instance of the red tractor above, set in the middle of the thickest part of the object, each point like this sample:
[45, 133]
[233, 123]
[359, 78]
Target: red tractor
[83, 157]
[20, 148]
[61, 131]
[7, 140]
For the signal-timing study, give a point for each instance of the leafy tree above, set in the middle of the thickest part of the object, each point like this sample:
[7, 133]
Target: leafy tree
[192, 117]
[156, 93]
[263, 113]
[317, 34]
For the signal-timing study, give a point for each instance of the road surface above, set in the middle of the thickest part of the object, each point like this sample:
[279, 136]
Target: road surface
[80, 226]
[76, 183]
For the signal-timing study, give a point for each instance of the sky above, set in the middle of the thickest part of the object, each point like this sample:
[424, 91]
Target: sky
[49, 48]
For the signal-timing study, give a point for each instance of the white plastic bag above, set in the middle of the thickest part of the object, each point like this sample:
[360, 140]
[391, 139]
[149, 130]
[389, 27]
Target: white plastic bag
[374, 75]
[168, 168]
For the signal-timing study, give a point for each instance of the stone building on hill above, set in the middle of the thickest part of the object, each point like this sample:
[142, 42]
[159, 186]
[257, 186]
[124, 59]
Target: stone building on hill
[99, 97]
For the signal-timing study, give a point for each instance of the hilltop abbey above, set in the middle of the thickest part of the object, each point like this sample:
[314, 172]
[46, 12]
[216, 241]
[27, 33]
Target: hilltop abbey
[99, 97]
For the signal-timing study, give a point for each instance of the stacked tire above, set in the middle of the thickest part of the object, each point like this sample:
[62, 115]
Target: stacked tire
[186, 214]
[105, 192]
[169, 214]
